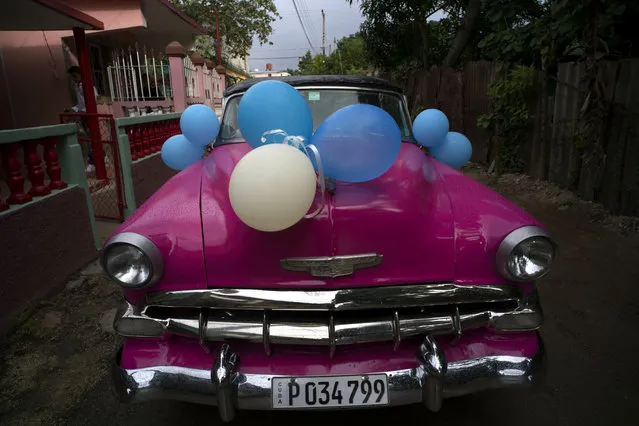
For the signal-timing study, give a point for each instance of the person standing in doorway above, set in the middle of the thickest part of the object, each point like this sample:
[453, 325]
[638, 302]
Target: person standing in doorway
[80, 106]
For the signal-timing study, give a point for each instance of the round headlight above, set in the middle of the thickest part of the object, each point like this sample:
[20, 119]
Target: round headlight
[132, 260]
[526, 254]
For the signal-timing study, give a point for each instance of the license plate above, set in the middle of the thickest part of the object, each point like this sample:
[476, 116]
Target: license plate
[330, 391]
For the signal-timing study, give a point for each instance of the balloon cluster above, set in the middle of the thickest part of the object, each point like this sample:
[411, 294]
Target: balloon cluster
[430, 129]
[199, 125]
[273, 186]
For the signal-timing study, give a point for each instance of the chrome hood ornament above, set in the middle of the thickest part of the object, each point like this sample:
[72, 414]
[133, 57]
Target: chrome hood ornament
[331, 267]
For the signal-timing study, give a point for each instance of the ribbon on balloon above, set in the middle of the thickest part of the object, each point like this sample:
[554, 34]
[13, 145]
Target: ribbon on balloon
[311, 152]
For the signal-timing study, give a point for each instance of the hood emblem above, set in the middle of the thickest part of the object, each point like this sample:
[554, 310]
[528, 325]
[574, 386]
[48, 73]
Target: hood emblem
[331, 267]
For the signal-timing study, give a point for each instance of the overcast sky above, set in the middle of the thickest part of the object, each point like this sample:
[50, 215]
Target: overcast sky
[289, 40]
[288, 37]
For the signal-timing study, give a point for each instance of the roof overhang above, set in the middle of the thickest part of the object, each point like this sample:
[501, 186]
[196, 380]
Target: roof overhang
[178, 12]
[43, 15]
[159, 23]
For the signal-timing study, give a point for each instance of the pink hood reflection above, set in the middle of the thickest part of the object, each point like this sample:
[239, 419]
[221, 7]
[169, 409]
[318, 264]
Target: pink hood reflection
[398, 215]
[430, 223]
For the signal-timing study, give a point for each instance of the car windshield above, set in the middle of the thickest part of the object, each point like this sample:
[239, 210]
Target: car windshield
[324, 102]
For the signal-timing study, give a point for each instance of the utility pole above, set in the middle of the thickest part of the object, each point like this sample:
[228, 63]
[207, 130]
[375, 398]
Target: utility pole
[323, 32]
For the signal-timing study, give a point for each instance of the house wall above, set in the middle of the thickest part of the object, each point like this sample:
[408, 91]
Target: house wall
[42, 250]
[37, 84]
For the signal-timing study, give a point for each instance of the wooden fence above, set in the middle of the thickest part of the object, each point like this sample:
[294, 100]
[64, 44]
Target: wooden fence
[552, 153]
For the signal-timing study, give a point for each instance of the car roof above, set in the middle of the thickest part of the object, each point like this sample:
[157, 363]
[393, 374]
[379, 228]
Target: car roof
[319, 80]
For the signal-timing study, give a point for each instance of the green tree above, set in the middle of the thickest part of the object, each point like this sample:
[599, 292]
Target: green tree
[544, 32]
[348, 57]
[398, 36]
[240, 22]
[304, 65]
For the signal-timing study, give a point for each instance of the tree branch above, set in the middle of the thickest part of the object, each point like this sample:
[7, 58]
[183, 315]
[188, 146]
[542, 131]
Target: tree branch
[457, 48]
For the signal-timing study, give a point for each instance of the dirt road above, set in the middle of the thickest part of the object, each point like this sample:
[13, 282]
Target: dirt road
[55, 367]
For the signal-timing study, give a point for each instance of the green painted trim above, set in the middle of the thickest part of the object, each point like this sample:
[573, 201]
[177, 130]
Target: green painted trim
[72, 164]
[146, 158]
[130, 121]
[15, 207]
[34, 133]
[127, 177]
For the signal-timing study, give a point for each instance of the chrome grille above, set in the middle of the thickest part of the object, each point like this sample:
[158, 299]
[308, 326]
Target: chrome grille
[330, 318]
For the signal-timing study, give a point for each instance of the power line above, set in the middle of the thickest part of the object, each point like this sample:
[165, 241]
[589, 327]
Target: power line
[302, 24]
[274, 57]
[285, 48]
[310, 24]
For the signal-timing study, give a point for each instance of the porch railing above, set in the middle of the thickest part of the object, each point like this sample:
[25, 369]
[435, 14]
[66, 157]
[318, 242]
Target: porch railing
[147, 134]
[30, 168]
[190, 77]
[37, 163]
[135, 75]
[212, 94]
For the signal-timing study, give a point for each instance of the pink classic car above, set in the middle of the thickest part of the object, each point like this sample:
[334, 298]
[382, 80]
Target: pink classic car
[410, 288]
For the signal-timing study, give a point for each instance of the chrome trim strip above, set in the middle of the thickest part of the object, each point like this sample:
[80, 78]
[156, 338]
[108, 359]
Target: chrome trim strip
[332, 332]
[457, 322]
[511, 241]
[253, 391]
[203, 322]
[266, 333]
[386, 297]
[147, 247]
[397, 331]
[331, 335]
[331, 267]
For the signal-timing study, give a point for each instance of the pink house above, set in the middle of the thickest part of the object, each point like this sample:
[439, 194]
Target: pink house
[132, 69]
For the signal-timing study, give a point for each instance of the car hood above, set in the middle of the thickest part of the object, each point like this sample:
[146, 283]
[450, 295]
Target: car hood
[405, 216]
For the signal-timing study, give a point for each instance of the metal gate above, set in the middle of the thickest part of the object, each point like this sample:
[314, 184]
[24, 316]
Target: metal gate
[98, 139]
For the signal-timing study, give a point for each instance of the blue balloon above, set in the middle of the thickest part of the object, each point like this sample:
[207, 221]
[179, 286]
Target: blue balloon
[178, 153]
[273, 105]
[430, 127]
[357, 143]
[455, 151]
[199, 125]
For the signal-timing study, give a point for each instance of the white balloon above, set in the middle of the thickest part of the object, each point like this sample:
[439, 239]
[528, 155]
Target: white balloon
[272, 187]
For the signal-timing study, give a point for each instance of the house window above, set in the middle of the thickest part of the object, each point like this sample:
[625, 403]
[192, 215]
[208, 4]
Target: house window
[98, 70]
[207, 93]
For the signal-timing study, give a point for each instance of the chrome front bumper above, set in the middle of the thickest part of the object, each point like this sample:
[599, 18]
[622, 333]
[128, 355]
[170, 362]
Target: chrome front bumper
[428, 383]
